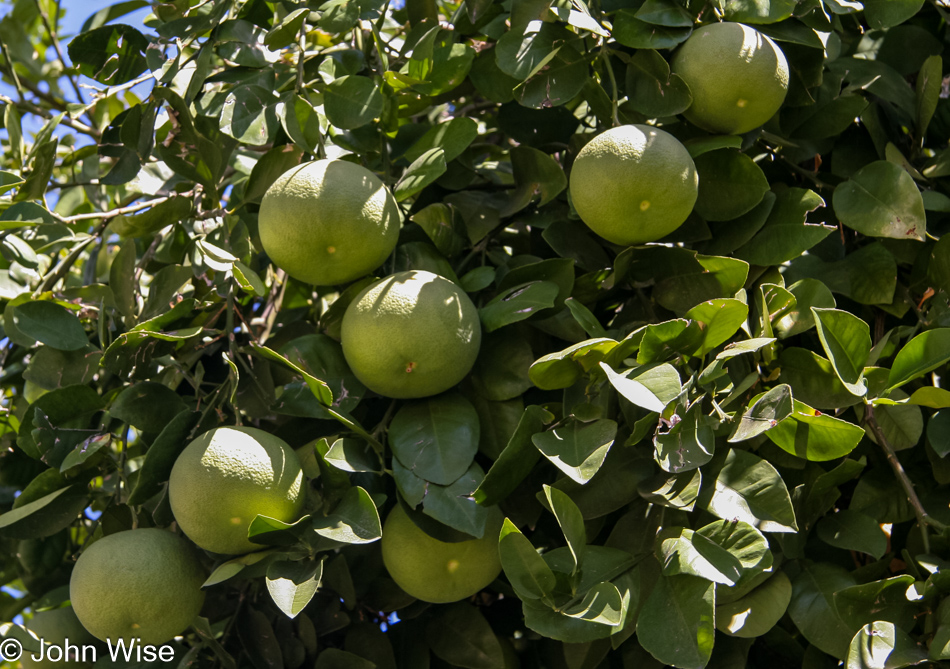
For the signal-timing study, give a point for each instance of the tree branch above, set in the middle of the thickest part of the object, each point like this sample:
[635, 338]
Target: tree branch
[54, 39]
[923, 518]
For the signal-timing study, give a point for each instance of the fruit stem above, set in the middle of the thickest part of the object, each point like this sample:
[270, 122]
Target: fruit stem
[605, 56]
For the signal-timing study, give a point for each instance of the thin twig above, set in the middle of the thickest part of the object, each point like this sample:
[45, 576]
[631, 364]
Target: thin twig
[923, 518]
[59, 52]
[16, 79]
[274, 299]
[32, 108]
[121, 211]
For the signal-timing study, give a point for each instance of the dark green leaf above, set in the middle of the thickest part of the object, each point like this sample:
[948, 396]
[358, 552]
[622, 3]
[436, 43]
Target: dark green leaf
[882, 200]
[730, 184]
[352, 101]
[676, 623]
[51, 324]
[112, 54]
[436, 438]
[461, 636]
[577, 449]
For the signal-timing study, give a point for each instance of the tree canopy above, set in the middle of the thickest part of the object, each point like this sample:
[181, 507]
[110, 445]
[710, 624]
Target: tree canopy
[727, 448]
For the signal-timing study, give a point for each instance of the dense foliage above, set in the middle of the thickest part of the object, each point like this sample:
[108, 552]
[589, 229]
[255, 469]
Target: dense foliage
[726, 449]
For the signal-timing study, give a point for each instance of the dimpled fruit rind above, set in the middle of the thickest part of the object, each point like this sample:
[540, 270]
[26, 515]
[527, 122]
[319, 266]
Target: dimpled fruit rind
[412, 334]
[437, 571]
[328, 222]
[634, 184]
[738, 77]
[137, 584]
[225, 478]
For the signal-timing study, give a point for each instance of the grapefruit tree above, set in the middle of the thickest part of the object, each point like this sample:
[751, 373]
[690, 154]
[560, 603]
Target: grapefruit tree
[470, 333]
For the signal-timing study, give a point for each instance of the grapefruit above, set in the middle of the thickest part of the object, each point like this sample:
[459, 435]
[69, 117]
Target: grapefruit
[328, 222]
[225, 478]
[412, 334]
[737, 75]
[138, 584]
[634, 184]
[436, 571]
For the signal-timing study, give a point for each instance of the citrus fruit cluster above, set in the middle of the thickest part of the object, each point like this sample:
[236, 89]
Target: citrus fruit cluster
[146, 583]
[636, 183]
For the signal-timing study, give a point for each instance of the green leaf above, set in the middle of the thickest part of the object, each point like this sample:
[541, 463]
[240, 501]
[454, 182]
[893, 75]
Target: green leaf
[815, 436]
[881, 200]
[285, 32]
[812, 608]
[153, 219]
[786, 234]
[516, 461]
[561, 369]
[853, 531]
[632, 31]
[522, 54]
[929, 80]
[883, 645]
[922, 354]
[652, 89]
[757, 11]
[847, 343]
[602, 604]
[112, 54]
[72, 403]
[757, 612]
[453, 137]
[720, 319]
[633, 391]
[688, 443]
[536, 173]
[730, 184]
[148, 406]
[766, 413]
[886, 13]
[683, 551]
[454, 506]
[423, 171]
[436, 438]
[885, 599]
[352, 101]
[518, 303]
[799, 318]
[319, 388]
[352, 455]
[749, 489]
[293, 584]
[354, 521]
[540, 618]
[676, 623]
[570, 520]
[161, 456]
[250, 115]
[51, 324]
[525, 569]
[461, 636]
[577, 449]
[45, 516]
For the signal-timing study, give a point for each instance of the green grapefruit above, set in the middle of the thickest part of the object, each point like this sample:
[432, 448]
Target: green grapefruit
[412, 334]
[138, 584]
[436, 571]
[225, 478]
[738, 77]
[634, 184]
[328, 222]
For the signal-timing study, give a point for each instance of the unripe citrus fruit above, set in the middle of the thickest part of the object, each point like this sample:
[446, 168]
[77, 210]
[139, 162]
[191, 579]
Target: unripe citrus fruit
[634, 184]
[436, 571]
[412, 334]
[55, 627]
[138, 584]
[328, 221]
[225, 478]
[737, 75]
